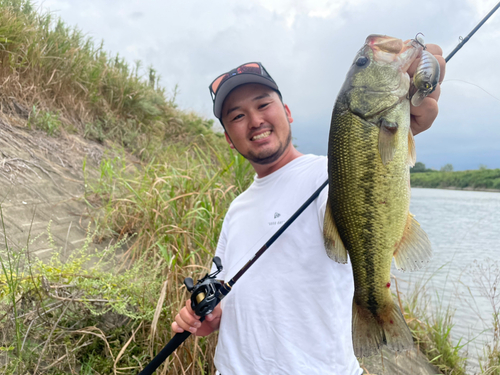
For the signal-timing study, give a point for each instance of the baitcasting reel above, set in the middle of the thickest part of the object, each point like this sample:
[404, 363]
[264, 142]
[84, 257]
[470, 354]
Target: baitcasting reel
[203, 299]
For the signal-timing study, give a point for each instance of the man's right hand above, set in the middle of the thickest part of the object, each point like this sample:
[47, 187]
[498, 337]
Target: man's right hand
[187, 320]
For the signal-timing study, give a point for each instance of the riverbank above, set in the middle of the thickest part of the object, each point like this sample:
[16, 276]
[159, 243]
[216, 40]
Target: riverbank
[476, 180]
[457, 188]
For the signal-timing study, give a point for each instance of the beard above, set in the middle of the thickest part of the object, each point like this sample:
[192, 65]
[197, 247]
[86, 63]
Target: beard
[269, 156]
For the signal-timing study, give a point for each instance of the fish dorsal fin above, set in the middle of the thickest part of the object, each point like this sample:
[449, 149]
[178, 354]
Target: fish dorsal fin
[387, 140]
[412, 154]
[414, 249]
[333, 244]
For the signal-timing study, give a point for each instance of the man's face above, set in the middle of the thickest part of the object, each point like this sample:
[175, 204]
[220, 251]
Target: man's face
[257, 123]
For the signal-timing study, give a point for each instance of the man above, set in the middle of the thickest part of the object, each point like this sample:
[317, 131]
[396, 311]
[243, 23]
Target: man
[291, 312]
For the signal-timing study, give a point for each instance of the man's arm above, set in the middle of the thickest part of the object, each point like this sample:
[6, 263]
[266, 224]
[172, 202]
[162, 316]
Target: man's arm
[424, 115]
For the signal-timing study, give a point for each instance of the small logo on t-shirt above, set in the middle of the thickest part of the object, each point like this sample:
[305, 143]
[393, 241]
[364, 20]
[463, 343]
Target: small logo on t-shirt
[276, 222]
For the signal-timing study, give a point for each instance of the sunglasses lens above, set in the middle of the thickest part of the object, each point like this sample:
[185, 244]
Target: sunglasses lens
[218, 81]
[249, 68]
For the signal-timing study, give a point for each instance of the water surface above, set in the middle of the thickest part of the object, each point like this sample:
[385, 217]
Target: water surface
[464, 229]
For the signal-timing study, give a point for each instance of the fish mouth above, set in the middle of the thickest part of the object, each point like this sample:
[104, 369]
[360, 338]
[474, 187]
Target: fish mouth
[384, 43]
[387, 49]
[262, 135]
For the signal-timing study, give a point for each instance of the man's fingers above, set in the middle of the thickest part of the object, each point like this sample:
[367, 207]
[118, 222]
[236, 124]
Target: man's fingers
[186, 320]
[442, 67]
[433, 95]
[434, 49]
[188, 307]
[424, 115]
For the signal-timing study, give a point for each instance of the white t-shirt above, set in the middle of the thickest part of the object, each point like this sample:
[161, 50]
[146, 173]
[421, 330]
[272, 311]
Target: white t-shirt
[291, 311]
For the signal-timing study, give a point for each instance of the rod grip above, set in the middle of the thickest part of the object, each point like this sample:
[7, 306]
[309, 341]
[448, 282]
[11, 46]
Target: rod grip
[173, 344]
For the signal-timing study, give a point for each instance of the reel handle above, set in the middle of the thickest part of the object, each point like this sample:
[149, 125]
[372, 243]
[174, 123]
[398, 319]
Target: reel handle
[189, 283]
[218, 263]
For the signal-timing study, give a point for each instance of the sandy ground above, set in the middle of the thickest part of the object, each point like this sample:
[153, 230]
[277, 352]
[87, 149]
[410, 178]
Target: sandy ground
[41, 181]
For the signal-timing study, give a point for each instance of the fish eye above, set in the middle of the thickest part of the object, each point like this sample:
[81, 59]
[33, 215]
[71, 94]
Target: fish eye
[362, 60]
[427, 85]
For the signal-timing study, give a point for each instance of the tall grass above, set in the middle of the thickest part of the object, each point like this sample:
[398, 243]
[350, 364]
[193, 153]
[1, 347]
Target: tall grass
[173, 205]
[110, 311]
[487, 279]
[55, 67]
[431, 324]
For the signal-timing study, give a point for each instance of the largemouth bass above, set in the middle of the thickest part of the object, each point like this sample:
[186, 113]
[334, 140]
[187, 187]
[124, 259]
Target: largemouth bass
[370, 150]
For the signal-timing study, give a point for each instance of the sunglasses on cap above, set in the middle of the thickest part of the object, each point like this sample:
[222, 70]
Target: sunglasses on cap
[249, 68]
[252, 72]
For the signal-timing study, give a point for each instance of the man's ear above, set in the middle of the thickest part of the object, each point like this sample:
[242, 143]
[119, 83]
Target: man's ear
[288, 113]
[228, 140]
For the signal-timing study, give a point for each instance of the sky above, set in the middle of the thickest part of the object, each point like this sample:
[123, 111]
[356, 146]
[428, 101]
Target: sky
[308, 46]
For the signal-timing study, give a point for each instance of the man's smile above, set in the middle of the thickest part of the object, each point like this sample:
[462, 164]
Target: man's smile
[261, 136]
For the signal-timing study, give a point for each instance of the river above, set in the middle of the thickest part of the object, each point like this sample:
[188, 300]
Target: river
[464, 229]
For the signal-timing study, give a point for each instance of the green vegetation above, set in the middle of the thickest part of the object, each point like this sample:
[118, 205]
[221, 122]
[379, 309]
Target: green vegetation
[432, 331]
[419, 168]
[164, 220]
[44, 120]
[108, 309]
[55, 69]
[474, 179]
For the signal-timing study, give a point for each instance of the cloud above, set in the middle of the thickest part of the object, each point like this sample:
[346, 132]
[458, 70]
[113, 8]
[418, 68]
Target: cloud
[307, 46]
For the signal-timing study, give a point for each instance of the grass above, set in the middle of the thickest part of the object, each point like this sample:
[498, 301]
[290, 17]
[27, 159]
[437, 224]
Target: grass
[175, 207]
[114, 307]
[64, 80]
[431, 322]
[474, 179]
[432, 325]
[487, 278]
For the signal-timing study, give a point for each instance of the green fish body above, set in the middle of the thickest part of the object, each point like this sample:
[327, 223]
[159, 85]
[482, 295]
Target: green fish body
[370, 151]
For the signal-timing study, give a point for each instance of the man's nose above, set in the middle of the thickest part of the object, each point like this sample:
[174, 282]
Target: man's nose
[256, 120]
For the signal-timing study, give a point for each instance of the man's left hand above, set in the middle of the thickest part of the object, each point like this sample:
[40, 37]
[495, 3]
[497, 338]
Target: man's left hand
[424, 115]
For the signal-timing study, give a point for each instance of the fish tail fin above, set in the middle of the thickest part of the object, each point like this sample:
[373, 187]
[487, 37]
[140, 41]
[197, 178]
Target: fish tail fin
[370, 331]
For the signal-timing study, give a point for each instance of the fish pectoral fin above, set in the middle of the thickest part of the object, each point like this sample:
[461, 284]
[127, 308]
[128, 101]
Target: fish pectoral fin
[387, 140]
[412, 154]
[414, 249]
[333, 244]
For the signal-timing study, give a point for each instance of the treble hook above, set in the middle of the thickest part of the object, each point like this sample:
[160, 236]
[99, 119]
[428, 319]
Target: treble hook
[420, 40]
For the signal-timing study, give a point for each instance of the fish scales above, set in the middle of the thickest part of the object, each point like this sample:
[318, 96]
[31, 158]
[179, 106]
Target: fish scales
[369, 153]
[370, 205]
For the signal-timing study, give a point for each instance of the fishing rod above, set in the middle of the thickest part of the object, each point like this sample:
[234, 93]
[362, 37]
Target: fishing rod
[466, 39]
[208, 292]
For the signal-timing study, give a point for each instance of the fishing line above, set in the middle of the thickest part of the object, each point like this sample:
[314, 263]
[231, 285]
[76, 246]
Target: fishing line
[473, 84]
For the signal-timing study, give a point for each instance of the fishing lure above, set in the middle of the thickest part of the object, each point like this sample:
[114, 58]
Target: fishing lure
[426, 77]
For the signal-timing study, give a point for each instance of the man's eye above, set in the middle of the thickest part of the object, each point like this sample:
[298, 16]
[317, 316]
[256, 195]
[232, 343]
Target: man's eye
[238, 117]
[264, 105]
